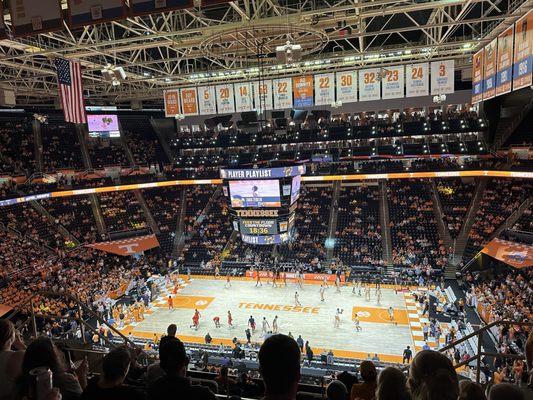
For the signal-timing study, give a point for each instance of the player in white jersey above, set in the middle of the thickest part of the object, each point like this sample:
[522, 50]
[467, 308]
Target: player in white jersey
[296, 299]
[367, 292]
[337, 284]
[391, 313]
[356, 324]
[275, 325]
[228, 281]
[338, 317]
[265, 326]
[217, 272]
[322, 293]
[378, 295]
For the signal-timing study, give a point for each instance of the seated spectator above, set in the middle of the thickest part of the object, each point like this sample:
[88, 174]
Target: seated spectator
[506, 391]
[110, 384]
[469, 390]
[279, 365]
[336, 391]
[42, 352]
[432, 377]
[174, 362]
[225, 383]
[348, 379]
[367, 389]
[10, 360]
[392, 385]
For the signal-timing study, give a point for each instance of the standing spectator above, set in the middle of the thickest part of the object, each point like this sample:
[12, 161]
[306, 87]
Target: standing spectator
[300, 343]
[110, 384]
[432, 377]
[174, 362]
[392, 385]
[279, 364]
[10, 361]
[308, 352]
[407, 355]
[367, 389]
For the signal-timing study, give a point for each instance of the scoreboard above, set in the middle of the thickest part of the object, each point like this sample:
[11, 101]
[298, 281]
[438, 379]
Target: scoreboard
[262, 202]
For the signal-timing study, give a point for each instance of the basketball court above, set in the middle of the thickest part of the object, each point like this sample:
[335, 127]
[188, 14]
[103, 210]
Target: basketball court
[313, 320]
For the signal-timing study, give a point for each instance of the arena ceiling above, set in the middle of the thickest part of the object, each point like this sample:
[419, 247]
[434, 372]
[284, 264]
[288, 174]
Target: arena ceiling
[237, 40]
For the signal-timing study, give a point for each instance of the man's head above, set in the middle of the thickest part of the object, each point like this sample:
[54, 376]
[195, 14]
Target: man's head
[116, 365]
[368, 371]
[504, 391]
[336, 390]
[279, 364]
[172, 357]
[172, 329]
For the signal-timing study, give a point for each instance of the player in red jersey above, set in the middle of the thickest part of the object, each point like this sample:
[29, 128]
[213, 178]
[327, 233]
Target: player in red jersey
[195, 320]
[216, 320]
[170, 303]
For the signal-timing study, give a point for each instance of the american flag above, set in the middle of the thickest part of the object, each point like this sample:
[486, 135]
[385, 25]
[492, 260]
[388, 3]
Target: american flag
[71, 90]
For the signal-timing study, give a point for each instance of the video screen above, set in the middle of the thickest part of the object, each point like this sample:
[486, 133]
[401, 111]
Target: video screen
[103, 125]
[295, 188]
[255, 193]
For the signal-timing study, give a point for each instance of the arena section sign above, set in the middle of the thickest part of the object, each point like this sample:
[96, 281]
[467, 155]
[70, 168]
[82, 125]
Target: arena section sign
[127, 247]
[517, 255]
[346, 86]
[263, 95]
[141, 7]
[523, 52]
[29, 17]
[489, 74]
[442, 77]
[88, 12]
[417, 83]
[504, 61]
[477, 77]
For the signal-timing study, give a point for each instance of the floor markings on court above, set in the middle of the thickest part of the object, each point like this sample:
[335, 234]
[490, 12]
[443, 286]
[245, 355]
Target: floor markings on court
[190, 302]
[380, 315]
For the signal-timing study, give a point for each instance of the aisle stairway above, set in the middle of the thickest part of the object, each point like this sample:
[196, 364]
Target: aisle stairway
[385, 223]
[333, 216]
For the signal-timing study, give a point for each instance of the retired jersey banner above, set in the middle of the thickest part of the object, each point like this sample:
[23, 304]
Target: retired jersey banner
[127, 247]
[302, 88]
[243, 96]
[324, 89]
[282, 89]
[369, 84]
[442, 77]
[523, 52]
[2, 23]
[393, 82]
[189, 102]
[489, 66]
[87, 12]
[504, 61]
[140, 7]
[417, 83]
[207, 100]
[172, 102]
[34, 16]
[225, 102]
[262, 95]
[477, 77]
[518, 255]
[346, 86]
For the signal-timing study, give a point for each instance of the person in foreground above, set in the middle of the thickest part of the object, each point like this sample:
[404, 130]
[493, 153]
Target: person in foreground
[367, 389]
[174, 384]
[432, 377]
[279, 365]
[110, 384]
[392, 385]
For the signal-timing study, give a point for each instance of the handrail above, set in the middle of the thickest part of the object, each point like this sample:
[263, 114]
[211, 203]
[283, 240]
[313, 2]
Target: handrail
[81, 306]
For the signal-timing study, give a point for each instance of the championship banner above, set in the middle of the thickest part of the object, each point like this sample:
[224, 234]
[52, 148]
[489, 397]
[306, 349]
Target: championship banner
[189, 103]
[88, 12]
[127, 247]
[442, 77]
[2, 23]
[477, 77]
[262, 95]
[282, 89]
[172, 102]
[369, 84]
[293, 275]
[489, 64]
[393, 82]
[225, 102]
[243, 97]
[141, 7]
[302, 88]
[517, 255]
[347, 86]
[207, 100]
[504, 61]
[34, 16]
[324, 89]
[523, 52]
[417, 83]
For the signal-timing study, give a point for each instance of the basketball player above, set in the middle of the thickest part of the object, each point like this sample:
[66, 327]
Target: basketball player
[228, 281]
[298, 279]
[296, 299]
[195, 320]
[391, 313]
[251, 323]
[274, 276]
[216, 320]
[338, 313]
[378, 295]
[367, 292]
[258, 278]
[356, 324]
[265, 326]
[321, 292]
[170, 303]
[230, 320]
[217, 272]
[275, 325]
[325, 281]
[285, 279]
[337, 284]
